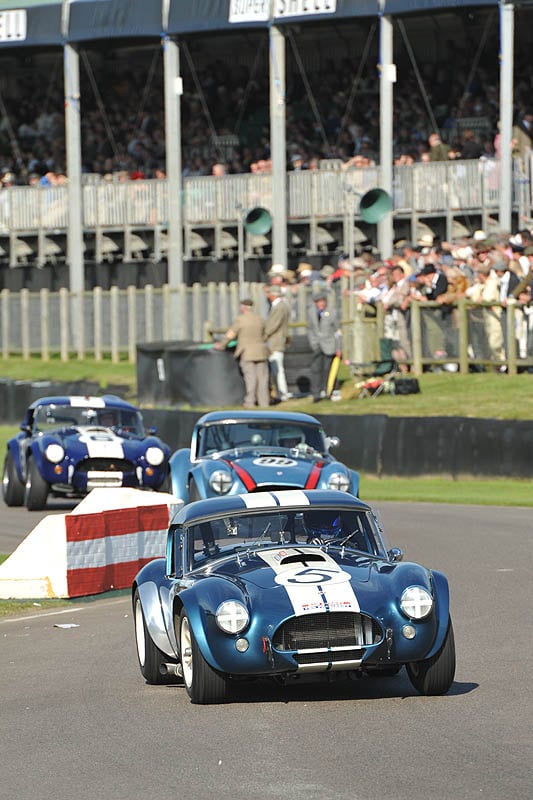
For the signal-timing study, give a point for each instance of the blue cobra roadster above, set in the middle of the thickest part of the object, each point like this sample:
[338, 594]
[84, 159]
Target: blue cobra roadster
[249, 451]
[70, 445]
[290, 585]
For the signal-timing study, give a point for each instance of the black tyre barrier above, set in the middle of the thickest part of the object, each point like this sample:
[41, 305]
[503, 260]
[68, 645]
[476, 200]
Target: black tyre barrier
[16, 396]
[403, 446]
[373, 443]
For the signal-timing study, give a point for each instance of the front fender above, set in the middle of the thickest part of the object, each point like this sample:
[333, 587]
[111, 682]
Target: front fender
[441, 593]
[200, 605]
[154, 592]
[43, 465]
[16, 448]
[337, 466]
[180, 465]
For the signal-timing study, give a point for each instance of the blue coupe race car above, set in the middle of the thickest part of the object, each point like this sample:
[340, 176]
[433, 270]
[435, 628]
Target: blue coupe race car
[288, 585]
[70, 445]
[249, 451]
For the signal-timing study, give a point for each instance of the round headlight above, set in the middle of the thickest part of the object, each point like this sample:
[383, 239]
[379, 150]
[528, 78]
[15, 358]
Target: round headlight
[155, 456]
[54, 453]
[220, 481]
[339, 481]
[232, 616]
[416, 602]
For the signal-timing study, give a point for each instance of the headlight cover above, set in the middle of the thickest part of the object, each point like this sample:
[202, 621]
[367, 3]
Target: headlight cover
[54, 453]
[220, 481]
[339, 481]
[416, 602]
[232, 616]
[155, 456]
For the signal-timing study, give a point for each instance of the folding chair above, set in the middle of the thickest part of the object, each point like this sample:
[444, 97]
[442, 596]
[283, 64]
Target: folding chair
[374, 377]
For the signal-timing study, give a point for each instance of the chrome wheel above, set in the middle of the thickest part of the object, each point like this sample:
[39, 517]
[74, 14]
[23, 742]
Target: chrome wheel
[186, 652]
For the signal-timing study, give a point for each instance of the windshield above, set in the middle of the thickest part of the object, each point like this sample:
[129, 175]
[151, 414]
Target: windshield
[54, 417]
[213, 539]
[256, 433]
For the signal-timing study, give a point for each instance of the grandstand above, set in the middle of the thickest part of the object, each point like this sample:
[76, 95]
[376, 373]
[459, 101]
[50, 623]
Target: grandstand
[135, 231]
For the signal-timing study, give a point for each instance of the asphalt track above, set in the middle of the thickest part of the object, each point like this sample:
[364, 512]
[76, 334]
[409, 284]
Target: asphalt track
[79, 722]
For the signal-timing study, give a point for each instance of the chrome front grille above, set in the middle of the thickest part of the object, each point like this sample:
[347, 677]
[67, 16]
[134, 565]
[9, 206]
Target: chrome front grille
[329, 630]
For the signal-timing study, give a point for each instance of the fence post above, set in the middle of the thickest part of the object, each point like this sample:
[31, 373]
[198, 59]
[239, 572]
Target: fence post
[79, 308]
[462, 312]
[149, 313]
[416, 337]
[182, 311]
[45, 322]
[167, 305]
[25, 323]
[98, 322]
[196, 304]
[64, 334]
[511, 335]
[132, 324]
[5, 323]
[114, 323]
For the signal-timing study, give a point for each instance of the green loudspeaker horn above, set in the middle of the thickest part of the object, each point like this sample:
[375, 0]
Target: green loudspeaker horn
[374, 205]
[258, 221]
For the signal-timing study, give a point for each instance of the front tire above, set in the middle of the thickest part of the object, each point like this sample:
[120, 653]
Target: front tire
[150, 657]
[435, 675]
[36, 491]
[203, 683]
[12, 486]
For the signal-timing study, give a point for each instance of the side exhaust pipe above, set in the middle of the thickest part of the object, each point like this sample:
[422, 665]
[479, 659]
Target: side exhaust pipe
[171, 669]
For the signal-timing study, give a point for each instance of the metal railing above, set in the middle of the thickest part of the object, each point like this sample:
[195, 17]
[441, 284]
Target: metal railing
[37, 217]
[111, 323]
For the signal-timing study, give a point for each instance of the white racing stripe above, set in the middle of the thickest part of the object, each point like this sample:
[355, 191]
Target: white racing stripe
[292, 497]
[312, 586]
[259, 500]
[103, 444]
[77, 401]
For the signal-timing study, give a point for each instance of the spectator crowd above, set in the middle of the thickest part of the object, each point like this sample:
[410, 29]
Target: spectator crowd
[446, 112]
[494, 272]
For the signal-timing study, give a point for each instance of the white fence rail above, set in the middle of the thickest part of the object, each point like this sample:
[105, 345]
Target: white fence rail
[112, 323]
[38, 216]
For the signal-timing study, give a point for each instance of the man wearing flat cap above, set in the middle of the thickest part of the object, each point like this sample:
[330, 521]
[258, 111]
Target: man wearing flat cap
[251, 351]
[325, 337]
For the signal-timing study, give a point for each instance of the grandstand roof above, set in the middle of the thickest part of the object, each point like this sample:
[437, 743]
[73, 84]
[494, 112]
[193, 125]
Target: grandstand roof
[41, 22]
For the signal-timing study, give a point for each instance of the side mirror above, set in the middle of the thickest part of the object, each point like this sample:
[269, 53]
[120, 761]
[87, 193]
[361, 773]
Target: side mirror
[152, 431]
[395, 554]
[332, 441]
[25, 428]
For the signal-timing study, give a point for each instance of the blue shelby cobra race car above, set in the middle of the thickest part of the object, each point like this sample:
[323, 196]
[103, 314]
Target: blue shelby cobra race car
[248, 451]
[70, 445]
[288, 585]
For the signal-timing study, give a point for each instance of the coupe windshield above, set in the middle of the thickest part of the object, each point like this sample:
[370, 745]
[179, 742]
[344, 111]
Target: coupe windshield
[256, 433]
[55, 417]
[213, 539]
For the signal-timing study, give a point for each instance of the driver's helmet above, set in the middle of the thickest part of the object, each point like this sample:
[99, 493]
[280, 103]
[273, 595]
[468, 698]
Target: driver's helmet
[108, 418]
[290, 436]
[321, 525]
